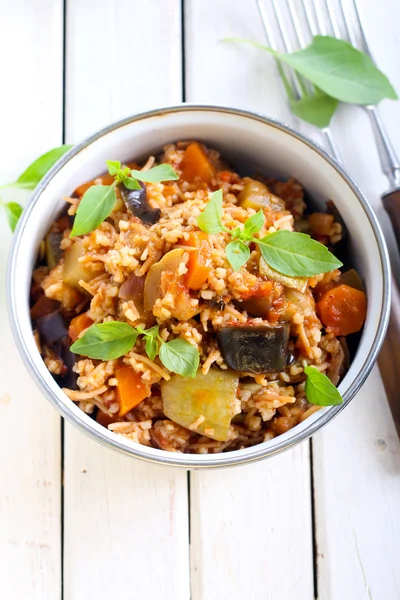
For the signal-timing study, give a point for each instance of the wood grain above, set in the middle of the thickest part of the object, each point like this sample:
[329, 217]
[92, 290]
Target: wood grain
[30, 476]
[126, 523]
[243, 519]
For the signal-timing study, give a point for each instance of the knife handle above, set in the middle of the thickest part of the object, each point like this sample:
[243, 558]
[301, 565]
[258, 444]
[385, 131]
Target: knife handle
[391, 202]
[389, 357]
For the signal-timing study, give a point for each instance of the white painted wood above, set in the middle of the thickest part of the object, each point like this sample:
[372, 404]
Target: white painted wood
[30, 124]
[357, 492]
[250, 526]
[251, 531]
[126, 522]
[357, 458]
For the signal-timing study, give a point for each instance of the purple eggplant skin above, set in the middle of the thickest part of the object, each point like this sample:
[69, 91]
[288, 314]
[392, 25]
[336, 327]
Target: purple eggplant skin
[69, 359]
[53, 333]
[52, 328]
[257, 349]
[136, 202]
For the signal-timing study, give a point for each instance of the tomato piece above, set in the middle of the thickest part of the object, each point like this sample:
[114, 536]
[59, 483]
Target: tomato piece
[342, 310]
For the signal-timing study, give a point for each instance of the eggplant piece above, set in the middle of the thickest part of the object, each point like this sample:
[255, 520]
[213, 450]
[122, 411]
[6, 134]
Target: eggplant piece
[69, 359]
[256, 195]
[52, 328]
[258, 349]
[352, 279]
[297, 283]
[53, 250]
[136, 202]
[205, 404]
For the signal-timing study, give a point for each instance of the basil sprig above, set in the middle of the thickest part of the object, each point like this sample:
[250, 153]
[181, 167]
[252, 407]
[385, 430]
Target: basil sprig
[98, 201]
[110, 340]
[288, 252]
[29, 179]
[320, 389]
[338, 72]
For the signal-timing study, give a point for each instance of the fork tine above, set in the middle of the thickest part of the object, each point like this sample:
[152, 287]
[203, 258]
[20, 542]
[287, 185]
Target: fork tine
[347, 20]
[332, 17]
[290, 76]
[321, 26]
[310, 22]
[358, 23]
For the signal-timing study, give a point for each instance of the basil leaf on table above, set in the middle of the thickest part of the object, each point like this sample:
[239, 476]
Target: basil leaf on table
[38, 169]
[320, 390]
[341, 71]
[13, 212]
[96, 205]
[210, 220]
[106, 341]
[180, 357]
[156, 174]
[317, 109]
[296, 254]
[237, 253]
[337, 68]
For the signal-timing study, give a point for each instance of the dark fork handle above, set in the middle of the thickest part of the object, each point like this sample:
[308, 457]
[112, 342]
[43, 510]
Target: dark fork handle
[391, 202]
[389, 357]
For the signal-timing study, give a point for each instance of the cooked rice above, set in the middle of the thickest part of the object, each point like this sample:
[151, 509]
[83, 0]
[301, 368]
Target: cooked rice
[266, 405]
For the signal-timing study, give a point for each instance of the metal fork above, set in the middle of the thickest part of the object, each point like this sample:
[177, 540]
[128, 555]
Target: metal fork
[389, 360]
[307, 18]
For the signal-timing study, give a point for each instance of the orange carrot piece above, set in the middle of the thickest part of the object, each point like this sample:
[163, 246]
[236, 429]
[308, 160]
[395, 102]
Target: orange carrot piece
[196, 164]
[131, 389]
[342, 310]
[199, 263]
[79, 324]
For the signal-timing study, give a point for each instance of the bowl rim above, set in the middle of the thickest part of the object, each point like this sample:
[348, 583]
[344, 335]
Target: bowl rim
[193, 461]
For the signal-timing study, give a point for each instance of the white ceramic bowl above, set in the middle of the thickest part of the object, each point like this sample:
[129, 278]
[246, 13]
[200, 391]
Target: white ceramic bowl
[266, 145]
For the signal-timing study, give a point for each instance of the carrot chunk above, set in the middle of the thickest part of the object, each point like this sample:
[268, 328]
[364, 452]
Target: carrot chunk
[196, 164]
[79, 324]
[131, 389]
[342, 310]
[199, 263]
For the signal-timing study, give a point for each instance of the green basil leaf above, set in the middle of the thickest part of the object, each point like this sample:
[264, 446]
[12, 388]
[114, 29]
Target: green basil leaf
[36, 171]
[96, 205]
[151, 332]
[210, 219]
[151, 347]
[13, 211]
[131, 183]
[320, 390]
[114, 167]
[178, 356]
[156, 174]
[317, 109]
[296, 254]
[106, 341]
[254, 223]
[341, 71]
[237, 253]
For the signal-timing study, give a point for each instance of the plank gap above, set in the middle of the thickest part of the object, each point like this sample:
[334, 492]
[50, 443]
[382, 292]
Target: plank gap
[183, 53]
[313, 521]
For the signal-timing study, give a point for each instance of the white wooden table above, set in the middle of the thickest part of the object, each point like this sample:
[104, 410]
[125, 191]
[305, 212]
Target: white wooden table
[78, 521]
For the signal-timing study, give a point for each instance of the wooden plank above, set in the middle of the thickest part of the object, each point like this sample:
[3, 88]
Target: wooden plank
[357, 495]
[126, 522]
[246, 528]
[30, 123]
[357, 458]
